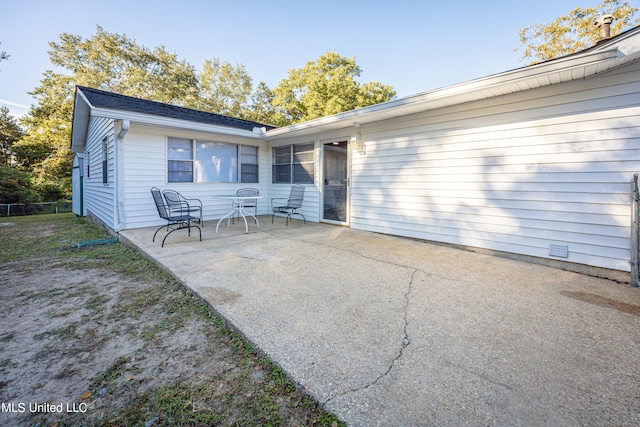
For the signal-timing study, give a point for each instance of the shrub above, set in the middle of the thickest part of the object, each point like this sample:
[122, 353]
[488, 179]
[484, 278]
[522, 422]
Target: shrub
[16, 186]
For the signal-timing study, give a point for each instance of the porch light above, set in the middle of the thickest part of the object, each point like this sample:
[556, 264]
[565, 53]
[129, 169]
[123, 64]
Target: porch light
[357, 143]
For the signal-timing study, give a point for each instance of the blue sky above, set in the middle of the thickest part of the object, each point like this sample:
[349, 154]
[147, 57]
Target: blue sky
[414, 46]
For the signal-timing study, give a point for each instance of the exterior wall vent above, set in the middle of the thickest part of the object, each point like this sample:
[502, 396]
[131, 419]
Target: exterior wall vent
[560, 251]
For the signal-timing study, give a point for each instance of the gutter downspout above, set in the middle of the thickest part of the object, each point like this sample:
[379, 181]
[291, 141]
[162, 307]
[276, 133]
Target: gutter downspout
[121, 127]
[635, 231]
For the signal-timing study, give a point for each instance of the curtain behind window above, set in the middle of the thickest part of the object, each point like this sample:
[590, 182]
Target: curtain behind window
[216, 162]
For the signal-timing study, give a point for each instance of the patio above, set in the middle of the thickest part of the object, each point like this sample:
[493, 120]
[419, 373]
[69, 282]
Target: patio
[390, 331]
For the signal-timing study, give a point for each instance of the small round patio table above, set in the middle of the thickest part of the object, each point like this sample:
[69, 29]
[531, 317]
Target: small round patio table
[238, 208]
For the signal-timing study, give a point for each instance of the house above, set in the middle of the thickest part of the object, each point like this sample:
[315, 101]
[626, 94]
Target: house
[535, 161]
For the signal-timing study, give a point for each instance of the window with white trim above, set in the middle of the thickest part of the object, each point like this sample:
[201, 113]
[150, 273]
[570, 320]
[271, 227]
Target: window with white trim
[209, 161]
[248, 164]
[294, 164]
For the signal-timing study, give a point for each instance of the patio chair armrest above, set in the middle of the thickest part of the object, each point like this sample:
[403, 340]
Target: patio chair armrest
[183, 207]
[196, 202]
[278, 198]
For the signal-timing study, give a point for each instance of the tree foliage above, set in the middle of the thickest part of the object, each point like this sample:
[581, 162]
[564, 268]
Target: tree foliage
[10, 132]
[261, 105]
[44, 149]
[119, 64]
[574, 32]
[15, 186]
[105, 61]
[224, 88]
[324, 87]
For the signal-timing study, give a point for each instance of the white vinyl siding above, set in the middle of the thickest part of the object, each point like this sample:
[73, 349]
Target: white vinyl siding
[514, 174]
[145, 160]
[98, 197]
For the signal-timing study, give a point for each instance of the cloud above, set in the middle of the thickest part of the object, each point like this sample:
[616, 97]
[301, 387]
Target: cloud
[16, 110]
[13, 104]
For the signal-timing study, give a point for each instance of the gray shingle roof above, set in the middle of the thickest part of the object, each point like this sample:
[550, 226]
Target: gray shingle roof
[113, 101]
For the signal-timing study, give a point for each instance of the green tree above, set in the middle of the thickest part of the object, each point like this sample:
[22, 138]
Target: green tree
[10, 132]
[105, 61]
[324, 87]
[44, 150]
[224, 88]
[15, 186]
[260, 106]
[574, 32]
[118, 64]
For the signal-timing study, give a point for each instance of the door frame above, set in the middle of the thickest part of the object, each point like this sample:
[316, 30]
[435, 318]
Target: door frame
[347, 192]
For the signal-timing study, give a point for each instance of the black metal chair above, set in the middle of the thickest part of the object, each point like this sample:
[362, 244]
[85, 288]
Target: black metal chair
[178, 217]
[289, 206]
[177, 202]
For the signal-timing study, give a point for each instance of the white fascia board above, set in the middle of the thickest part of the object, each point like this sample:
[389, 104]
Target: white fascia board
[149, 119]
[80, 123]
[481, 88]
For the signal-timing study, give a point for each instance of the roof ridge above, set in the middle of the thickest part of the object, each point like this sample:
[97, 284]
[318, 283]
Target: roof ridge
[106, 99]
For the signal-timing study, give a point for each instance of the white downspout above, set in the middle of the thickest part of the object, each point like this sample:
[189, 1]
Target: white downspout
[121, 128]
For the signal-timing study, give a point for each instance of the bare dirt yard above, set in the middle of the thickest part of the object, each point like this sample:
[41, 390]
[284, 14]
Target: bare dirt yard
[98, 335]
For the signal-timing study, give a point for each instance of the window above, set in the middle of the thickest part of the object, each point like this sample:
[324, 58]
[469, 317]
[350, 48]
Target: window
[105, 156]
[208, 161]
[294, 164]
[249, 164]
[180, 160]
[216, 162]
[282, 164]
[303, 163]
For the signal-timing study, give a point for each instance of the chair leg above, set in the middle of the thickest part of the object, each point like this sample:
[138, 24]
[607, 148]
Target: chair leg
[154, 234]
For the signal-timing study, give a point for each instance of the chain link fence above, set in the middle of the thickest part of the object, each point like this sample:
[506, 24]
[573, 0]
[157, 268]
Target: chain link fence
[18, 209]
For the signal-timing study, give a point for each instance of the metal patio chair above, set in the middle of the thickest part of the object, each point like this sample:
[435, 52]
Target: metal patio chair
[177, 202]
[249, 203]
[289, 206]
[178, 217]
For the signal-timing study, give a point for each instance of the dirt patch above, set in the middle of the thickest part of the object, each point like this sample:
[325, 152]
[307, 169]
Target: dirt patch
[82, 344]
[62, 344]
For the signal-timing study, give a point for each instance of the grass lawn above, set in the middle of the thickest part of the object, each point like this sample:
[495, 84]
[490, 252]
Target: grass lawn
[98, 335]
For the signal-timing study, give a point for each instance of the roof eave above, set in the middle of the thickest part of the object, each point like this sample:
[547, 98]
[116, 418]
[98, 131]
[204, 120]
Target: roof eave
[518, 80]
[149, 119]
[80, 122]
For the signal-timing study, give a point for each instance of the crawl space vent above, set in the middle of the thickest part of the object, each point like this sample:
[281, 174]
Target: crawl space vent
[560, 251]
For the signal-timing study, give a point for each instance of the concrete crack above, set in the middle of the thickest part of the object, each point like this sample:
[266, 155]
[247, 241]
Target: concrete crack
[406, 341]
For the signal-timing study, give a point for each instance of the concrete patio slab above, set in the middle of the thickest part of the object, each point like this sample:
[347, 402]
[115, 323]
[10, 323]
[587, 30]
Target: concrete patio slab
[390, 331]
